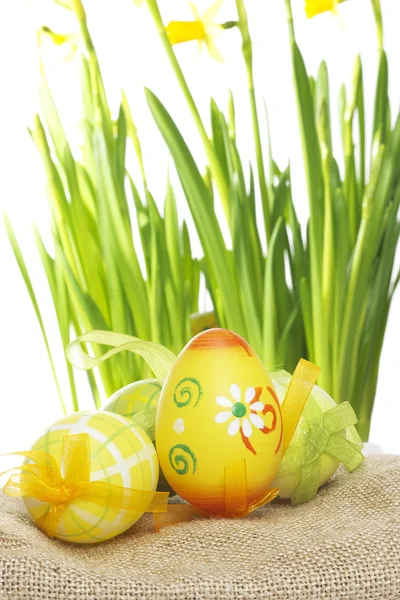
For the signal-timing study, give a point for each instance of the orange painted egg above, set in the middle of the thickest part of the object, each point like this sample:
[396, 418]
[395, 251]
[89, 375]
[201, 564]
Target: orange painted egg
[217, 407]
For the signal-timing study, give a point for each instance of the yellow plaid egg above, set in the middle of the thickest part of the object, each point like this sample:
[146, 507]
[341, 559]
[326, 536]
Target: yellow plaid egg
[135, 397]
[121, 455]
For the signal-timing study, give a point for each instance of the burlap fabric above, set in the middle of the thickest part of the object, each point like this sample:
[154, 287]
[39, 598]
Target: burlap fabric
[344, 544]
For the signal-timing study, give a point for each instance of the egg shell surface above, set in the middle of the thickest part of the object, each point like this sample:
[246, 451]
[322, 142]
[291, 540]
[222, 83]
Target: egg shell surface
[217, 407]
[135, 397]
[121, 455]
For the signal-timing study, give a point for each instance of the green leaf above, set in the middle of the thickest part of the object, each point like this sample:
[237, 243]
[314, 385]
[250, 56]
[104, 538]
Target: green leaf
[379, 131]
[205, 220]
[27, 280]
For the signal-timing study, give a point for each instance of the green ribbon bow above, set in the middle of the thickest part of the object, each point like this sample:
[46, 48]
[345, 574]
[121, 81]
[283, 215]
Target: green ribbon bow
[321, 433]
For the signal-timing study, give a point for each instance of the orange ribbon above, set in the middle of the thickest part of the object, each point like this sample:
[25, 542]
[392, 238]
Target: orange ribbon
[43, 481]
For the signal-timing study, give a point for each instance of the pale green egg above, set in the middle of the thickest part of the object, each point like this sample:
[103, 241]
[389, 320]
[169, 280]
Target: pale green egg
[288, 478]
[135, 397]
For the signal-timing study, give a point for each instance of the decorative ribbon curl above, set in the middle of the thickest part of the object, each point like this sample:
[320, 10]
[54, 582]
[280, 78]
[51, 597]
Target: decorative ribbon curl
[159, 358]
[43, 481]
[321, 433]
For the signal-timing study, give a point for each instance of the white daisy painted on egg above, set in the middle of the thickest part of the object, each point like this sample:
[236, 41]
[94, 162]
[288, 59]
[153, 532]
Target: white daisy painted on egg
[242, 414]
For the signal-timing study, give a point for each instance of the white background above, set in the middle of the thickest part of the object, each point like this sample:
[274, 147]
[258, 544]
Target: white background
[131, 57]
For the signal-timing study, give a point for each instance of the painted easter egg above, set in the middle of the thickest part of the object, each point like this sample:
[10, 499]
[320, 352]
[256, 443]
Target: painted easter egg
[217, 407]
[131, 400]
[121, 455]
[302, 449]
[135, 397]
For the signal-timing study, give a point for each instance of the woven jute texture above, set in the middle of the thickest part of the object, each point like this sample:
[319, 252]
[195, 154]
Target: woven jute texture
[343, 544]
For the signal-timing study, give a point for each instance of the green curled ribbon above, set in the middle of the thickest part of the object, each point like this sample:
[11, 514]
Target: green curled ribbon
[321, 433]
[159, 358]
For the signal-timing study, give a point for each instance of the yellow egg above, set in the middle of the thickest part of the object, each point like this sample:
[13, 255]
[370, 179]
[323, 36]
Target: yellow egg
[217, 407]
[121, 455]
[135, 397]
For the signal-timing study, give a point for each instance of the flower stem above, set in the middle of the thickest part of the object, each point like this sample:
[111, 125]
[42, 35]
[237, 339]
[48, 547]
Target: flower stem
[215, 167]
[259, 154]
[78, 9]
[376, 5]
[289, 16]
[247, 51]
[229, 24]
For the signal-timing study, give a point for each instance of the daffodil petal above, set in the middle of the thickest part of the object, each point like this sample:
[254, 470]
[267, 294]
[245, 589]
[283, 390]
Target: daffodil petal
[195, 12]
[213, 10]
[213, 50]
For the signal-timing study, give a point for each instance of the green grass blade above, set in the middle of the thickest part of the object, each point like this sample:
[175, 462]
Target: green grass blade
[205, 220]
[27, 280]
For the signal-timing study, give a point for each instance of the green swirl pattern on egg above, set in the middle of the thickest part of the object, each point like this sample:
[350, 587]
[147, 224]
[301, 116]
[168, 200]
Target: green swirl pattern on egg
[182, 459]
[188, 391]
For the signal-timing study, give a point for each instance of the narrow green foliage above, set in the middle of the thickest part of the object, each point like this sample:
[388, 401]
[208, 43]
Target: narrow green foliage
[27, 280]
[122, 261]
[94, 271]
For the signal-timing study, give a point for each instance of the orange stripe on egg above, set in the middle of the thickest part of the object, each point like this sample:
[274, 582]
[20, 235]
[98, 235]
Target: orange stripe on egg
[257, 395]
[274, 396]
[268, 408]
[219, 339]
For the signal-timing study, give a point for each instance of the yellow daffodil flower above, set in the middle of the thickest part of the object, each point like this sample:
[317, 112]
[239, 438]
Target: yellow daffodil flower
[315, 7]
[57, 38]
[68, 40]
[202, 28]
